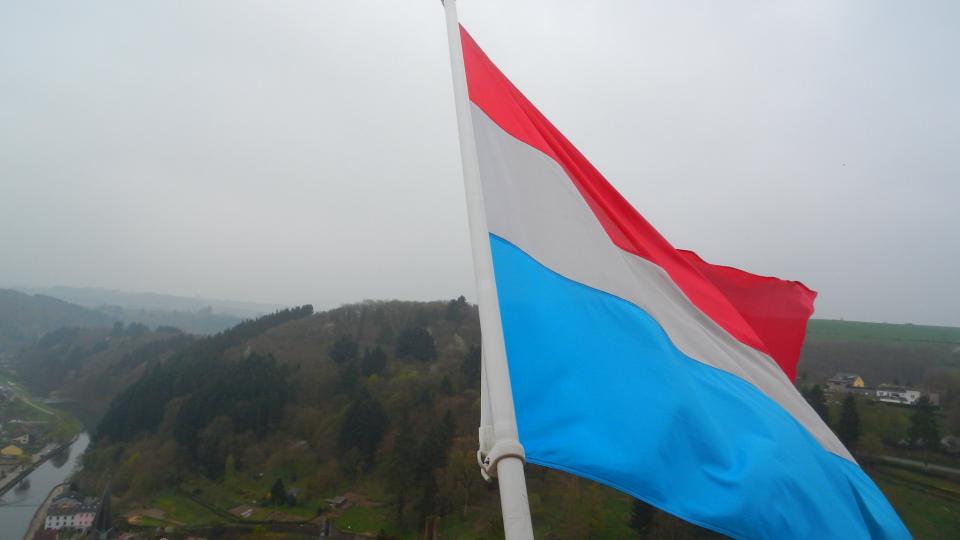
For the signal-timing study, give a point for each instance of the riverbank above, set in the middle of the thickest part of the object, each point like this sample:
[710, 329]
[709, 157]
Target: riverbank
[18, 507]
[40, 516]
[8, 483]
[21, 414]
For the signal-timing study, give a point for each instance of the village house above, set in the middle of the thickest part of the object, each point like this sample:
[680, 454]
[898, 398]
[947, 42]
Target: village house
[897, 394]
[852, 383]
[843, 381]
[67, 511]
[7, 465]
[866, 391]
[336, 502]
[12, 450]
[59, 518]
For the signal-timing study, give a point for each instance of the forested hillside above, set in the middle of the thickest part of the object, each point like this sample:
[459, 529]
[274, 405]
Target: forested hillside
[378, 401]
[94, 297]
[192, 315]
[90, 366]
[871, 332]
[25, 318]
[203, 321]
[914, 355]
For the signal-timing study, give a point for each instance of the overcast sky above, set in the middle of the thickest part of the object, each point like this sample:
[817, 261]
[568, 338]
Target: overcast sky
[295, 152]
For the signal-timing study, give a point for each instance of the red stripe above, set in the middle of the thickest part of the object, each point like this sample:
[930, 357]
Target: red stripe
[767, 314]
[776, 309]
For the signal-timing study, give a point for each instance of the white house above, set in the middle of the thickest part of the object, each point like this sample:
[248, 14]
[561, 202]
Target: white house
[70, 516]
[83, 519]
[60, 518]
[897, 394]
[69, 511]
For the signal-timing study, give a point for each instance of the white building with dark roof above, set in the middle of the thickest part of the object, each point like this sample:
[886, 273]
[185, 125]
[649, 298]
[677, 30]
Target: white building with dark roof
[67, 511]
[897, 394]
[842, 381]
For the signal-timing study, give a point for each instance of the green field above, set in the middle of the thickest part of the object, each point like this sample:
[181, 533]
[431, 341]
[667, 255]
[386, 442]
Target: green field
[930, 507]
[365, 519]
[834, 330]
[57, 423]
[180, 508]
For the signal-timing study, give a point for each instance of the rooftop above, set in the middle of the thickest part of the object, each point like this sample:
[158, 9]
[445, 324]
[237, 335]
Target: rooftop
[844, 377]
[72, 510]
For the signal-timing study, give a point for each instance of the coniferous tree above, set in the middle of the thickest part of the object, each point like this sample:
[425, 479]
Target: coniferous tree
[416, 342]
[374, 361]
[230, 472]
[433, 454]
[344, 350]
[641, 516]
[848, 428]
[364, 424]
[471, 366]
[349, 379]
[401, 466]
[818, 401]
[278, 493]
[923, 426]
[455, 309]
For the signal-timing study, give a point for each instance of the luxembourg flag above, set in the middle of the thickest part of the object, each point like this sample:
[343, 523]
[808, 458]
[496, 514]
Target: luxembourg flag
[644, 367]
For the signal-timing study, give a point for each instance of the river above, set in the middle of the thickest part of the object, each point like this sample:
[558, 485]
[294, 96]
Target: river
[17, 507]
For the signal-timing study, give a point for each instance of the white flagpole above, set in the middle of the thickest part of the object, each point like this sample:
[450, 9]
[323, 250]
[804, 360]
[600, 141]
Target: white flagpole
[505, 458]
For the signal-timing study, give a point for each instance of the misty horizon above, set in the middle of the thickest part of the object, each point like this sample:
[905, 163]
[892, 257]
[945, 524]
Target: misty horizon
[307, 153]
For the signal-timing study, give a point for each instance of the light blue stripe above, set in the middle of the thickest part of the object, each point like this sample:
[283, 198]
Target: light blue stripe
[600, 391]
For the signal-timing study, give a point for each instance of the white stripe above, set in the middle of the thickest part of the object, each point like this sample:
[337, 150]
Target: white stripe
[532, 203]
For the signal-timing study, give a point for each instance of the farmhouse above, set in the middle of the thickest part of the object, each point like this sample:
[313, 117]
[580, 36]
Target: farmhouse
[8, 464]
[12, 451]
[842, 381]
[70, 517]
[68, 511]
[897, 394]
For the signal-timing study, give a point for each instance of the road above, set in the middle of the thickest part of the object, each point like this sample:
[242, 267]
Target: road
[24, 395]
[921, 465]
[40, 457]
[10, 479]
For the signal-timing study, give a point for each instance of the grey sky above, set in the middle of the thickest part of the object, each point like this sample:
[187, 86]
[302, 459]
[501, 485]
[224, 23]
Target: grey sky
[299, 152]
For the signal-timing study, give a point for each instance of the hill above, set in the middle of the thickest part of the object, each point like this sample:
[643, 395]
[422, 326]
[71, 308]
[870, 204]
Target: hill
[24, 318]
[378, 401]
[835, 330]
[194, 315]
[203, 321]
[95, 297]
[88, 367]
[926, 356]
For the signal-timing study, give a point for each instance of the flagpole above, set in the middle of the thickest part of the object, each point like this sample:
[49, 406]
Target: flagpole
[504, 458]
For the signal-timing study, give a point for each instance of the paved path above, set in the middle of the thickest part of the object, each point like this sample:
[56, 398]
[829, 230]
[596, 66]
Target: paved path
[29, 402]
[12, 478]
[22, 472]
[24, 395]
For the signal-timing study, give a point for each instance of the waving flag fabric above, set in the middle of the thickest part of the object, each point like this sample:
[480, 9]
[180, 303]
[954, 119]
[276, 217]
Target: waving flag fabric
[642, 366]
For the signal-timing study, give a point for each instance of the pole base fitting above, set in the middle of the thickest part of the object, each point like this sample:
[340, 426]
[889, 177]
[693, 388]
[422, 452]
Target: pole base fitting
[500, 450]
